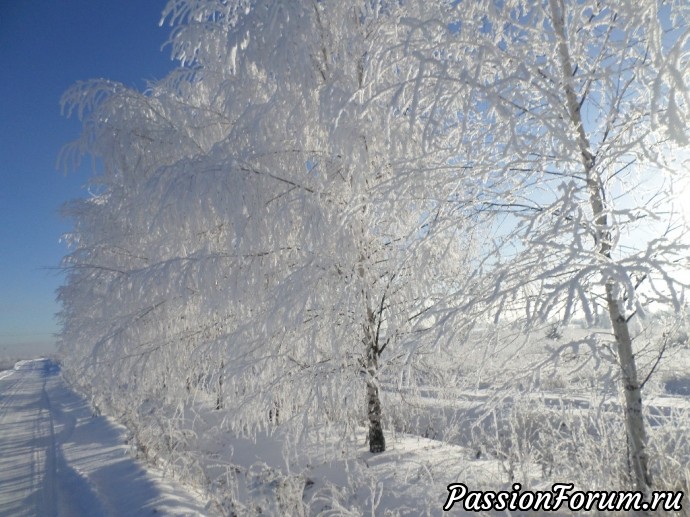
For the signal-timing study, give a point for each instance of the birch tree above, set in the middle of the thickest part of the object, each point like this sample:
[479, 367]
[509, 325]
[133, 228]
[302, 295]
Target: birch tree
[585, 106]
[283, 201]
[351, 104]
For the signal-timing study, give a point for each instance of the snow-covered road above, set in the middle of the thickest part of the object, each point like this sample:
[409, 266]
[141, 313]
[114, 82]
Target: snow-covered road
[57, 459]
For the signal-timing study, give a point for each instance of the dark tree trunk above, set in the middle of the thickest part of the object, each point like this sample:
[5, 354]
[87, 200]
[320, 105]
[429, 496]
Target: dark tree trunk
[377, 442]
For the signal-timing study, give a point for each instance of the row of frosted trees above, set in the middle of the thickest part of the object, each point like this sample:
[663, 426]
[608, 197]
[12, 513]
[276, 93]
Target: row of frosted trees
[325, 195]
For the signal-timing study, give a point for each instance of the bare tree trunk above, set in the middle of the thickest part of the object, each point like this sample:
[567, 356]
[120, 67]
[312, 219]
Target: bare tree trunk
[377, 442]
[634, 419]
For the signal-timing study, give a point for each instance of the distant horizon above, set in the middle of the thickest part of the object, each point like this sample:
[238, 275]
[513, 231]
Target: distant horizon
[28, 350]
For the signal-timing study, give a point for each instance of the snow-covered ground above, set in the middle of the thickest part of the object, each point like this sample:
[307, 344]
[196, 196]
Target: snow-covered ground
[58, 459]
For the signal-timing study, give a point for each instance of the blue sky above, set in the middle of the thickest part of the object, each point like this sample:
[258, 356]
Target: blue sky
[45, 47]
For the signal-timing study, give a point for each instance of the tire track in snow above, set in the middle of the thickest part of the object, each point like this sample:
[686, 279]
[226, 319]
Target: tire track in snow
[23, 434]
[41, 483]
[57, 459]
[50, 471]
[8, 391]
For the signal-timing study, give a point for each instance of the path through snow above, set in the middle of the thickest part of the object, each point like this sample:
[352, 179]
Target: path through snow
[57, 459]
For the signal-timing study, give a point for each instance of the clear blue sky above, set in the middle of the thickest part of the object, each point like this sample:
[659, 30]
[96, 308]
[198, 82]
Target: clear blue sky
[45, 47]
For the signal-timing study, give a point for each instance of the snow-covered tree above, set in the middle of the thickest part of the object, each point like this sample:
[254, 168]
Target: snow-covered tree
[584, 106]
[273, 217]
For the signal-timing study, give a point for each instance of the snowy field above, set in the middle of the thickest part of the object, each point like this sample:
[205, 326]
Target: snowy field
[58, 459]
